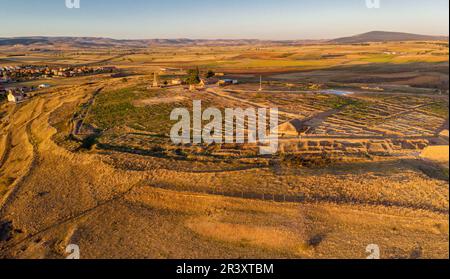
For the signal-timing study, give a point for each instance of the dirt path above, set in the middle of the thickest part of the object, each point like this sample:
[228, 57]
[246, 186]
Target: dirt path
[317, 119]
[79, 121]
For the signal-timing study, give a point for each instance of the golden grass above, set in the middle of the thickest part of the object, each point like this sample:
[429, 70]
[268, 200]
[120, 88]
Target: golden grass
[302, 230]
[436, 153]
[244, 235]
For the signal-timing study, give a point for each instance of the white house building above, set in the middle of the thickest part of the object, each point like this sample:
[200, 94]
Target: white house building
[15, 97]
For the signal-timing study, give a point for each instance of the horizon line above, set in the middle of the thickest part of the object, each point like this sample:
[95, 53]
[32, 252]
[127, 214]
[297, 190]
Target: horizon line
[207, 39]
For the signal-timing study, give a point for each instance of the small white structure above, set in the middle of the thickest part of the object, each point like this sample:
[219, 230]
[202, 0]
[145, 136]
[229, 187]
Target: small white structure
[44, 85]
[15, 97]
[176, 81]
[156, 80]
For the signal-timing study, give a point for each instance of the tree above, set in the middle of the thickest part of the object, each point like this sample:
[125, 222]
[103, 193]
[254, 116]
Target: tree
[210, 74]
[193, 76]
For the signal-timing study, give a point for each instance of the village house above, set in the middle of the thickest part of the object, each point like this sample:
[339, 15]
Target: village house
[32, 72]
[225, 82]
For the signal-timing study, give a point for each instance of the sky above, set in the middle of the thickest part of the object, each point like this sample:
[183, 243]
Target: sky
[221, 19]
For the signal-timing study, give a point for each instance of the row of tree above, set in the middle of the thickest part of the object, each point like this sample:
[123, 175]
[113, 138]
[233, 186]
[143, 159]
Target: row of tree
[194, 75]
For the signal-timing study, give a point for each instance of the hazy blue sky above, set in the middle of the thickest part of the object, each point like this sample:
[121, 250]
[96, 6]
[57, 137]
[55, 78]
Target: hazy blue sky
[263, 19]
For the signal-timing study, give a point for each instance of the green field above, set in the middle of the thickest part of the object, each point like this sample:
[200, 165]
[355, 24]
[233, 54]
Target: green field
[113, 109]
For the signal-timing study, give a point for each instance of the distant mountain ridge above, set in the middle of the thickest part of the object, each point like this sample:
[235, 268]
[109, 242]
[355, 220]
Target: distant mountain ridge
[107, 42]
[88, 42]
[383, 36]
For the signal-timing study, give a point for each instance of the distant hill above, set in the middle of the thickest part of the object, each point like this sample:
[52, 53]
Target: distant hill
[93, 42]
[382, 36]
[69, 41]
